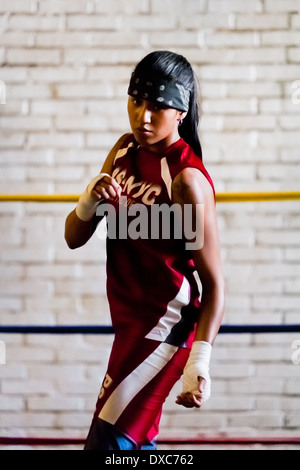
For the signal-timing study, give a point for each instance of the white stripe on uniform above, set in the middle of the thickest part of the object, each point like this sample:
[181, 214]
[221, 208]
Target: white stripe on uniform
[135, 382]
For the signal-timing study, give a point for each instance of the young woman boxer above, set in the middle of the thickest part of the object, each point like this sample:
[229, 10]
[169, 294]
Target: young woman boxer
[162, 329]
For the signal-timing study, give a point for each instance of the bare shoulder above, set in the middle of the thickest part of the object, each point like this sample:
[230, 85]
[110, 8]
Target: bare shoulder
[191, 182]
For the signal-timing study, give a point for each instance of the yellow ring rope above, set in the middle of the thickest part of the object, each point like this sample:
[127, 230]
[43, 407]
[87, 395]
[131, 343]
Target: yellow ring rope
[220, 197]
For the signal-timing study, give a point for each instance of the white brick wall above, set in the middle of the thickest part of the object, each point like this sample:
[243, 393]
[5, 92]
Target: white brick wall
[66, 66]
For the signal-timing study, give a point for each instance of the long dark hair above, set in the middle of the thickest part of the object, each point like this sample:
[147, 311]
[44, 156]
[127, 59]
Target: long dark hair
[170, 66]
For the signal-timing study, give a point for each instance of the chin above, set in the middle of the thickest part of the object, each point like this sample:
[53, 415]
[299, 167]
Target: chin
[145, 140]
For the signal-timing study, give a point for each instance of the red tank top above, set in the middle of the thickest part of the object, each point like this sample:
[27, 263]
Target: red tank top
[151, 287]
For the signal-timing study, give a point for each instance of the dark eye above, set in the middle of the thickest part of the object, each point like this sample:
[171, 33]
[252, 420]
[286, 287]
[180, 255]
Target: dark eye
[136, 101]
[153, 107]
[156, 107]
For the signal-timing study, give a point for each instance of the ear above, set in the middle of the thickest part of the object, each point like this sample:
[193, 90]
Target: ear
[181, 115]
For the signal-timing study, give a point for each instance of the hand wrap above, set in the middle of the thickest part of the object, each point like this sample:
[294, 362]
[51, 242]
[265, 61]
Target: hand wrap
[87, 205]
[198, 366]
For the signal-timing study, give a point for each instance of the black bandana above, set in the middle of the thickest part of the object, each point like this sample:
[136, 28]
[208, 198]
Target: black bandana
[166, 93]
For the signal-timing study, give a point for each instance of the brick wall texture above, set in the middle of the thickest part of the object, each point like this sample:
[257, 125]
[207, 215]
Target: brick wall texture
[65, 66]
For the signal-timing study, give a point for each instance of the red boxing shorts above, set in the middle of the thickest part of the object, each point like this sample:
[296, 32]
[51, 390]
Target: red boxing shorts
[140, 376]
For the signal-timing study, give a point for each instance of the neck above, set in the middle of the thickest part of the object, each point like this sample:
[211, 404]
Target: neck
[161, 146]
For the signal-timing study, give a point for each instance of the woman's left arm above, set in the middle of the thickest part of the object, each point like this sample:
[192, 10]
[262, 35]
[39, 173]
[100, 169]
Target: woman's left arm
[192, 187]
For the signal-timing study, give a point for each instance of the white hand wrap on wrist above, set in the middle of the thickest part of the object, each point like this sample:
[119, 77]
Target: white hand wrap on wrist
[198, 366]
[87, 206]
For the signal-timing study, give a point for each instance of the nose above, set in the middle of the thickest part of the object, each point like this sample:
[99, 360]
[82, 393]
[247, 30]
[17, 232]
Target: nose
[144, 114]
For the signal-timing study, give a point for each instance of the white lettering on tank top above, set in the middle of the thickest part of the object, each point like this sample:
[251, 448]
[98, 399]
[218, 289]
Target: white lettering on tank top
[148, 192]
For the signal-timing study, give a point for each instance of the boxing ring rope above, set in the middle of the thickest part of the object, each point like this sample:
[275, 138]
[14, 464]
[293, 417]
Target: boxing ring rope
[226, 440]
[107, 329]
[220, 197]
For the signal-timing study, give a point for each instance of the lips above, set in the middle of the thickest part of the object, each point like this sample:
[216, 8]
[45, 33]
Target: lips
[143, 130]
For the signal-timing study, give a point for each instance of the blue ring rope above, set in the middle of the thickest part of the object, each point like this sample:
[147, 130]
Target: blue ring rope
[103, 329]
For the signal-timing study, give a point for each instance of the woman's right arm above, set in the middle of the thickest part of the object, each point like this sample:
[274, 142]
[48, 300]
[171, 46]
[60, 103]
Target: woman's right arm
[82, 222]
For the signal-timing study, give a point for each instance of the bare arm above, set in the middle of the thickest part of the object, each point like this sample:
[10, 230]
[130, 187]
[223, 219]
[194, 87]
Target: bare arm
[191, 187]
[78, 231]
